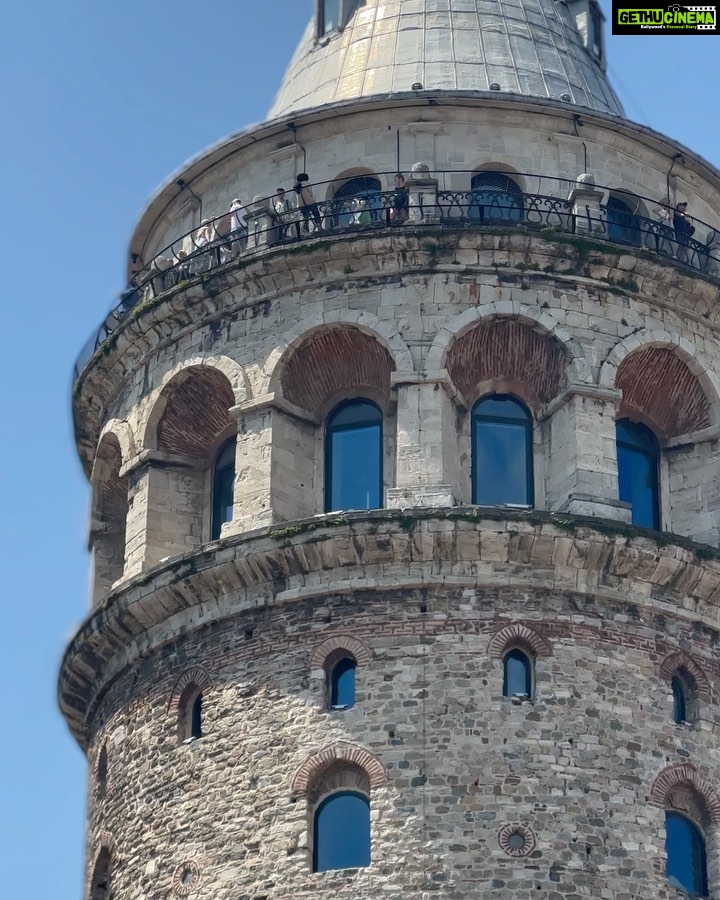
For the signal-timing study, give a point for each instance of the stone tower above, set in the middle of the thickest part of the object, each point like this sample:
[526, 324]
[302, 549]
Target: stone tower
[406, 491]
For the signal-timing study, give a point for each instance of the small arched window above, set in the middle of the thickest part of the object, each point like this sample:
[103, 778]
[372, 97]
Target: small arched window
[342, 683]
[679, 704]
[638, 460]
[623, 224]
[353, 457]
[196, 718]
[357, 201]
[502, 461]
[100, 883]
[341, 832]
[686, 863]
[223, 488]
[517, 674]
[494, 196]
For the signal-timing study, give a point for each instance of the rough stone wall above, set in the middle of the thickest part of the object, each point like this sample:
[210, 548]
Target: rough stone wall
[575, 765]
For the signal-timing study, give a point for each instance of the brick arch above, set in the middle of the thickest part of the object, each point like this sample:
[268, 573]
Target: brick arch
[518, 634]
[190, 678]
[538, 319]
[664, 379]
[352, 645]
[190, 412]
[332, 360]
[681, 660]
[381, 330]
[684, 775]
[329, 758]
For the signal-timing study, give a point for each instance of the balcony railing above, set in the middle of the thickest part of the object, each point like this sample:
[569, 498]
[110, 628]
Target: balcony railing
[222, 240]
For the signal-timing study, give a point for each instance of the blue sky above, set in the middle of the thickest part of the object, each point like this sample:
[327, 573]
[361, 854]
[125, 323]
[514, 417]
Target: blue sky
[101, 102]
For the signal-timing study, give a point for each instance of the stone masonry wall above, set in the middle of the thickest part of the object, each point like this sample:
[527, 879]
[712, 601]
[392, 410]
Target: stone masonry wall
[575, 766]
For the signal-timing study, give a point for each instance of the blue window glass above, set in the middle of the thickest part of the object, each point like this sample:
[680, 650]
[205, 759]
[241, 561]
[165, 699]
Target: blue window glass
[358, 201]
[638, 472]
[330, 15]
[623, 224]
[495, 197]
[501, 452]
[686, 866]
[342, 683]
[223, 488]
[353, 457]
[678, 690]
[517, 675]
[196, 717]
[341, 832]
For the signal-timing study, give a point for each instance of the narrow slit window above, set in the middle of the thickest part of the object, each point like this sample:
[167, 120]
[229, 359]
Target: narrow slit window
[342, 684]
[196, 718]
[223, 488]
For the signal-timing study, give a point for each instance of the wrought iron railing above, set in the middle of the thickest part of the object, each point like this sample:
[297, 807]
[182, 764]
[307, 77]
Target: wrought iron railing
[223, 240]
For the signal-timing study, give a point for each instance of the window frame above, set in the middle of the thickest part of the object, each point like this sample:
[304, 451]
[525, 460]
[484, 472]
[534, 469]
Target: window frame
[637, 447]
[329, 430]
[322, 803]
[345, 9]
[528, 423]
[219, 468]
[512, 190]
[696, 834]
[515, 652]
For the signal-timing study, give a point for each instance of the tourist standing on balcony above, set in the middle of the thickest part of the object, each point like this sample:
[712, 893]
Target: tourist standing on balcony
[306, 202]
[684, 230]
[236, 229]
[399, 208]
[284, 210]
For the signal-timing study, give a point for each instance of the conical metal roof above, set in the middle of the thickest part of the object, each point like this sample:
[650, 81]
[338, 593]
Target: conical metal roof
[528, 47]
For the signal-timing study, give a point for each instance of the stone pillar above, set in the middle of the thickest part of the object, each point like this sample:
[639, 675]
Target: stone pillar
[260, 220]
[274, 465]
[422, 195]
[426, 442]
[581, 471]
[586, 199]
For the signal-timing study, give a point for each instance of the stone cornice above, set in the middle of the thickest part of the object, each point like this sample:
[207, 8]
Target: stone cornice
[384, 550]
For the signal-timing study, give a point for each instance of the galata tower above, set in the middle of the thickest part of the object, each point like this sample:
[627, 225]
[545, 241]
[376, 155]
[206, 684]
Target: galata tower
[404, 448]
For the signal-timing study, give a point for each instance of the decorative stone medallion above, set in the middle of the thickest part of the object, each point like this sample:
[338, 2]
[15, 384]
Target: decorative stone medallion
[516, 840]
[186, 878]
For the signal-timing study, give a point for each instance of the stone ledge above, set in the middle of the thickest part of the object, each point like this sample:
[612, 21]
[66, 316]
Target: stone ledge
[384, 550]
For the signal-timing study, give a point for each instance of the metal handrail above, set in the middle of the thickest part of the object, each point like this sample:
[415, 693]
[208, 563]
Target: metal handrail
[215, 244]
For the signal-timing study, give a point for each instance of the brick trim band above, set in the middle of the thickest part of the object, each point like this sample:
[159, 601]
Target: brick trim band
[685, 774]
[195, 676]
[682, 660]
[311, 769]
[518, 634]
[354, 647]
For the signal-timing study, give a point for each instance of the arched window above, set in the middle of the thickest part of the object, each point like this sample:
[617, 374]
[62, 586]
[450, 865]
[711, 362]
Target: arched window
[341, 832]
[638, 460]
[502, 462]
[353, 457]
[342, 683]
[517, 674]
[622, 223]
[223, 488]
[685, 847]
[357, 201]
[100, 883]
[196, 718]
[494, 196]
[679, 705]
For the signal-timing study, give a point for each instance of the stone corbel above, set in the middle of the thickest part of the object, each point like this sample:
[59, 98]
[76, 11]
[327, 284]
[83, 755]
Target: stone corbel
[271, 401]
[604, 395]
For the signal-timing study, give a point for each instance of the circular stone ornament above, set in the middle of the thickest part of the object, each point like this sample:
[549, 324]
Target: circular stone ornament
[516, 840]
[186, 878]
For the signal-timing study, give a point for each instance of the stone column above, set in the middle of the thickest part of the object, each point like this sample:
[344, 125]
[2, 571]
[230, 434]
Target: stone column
[260, 221]
[586, 199]
[422, 195]
[426, 442]
[581, 470]
[274, 464]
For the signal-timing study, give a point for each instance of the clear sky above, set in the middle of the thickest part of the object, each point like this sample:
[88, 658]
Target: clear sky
[101, 101]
